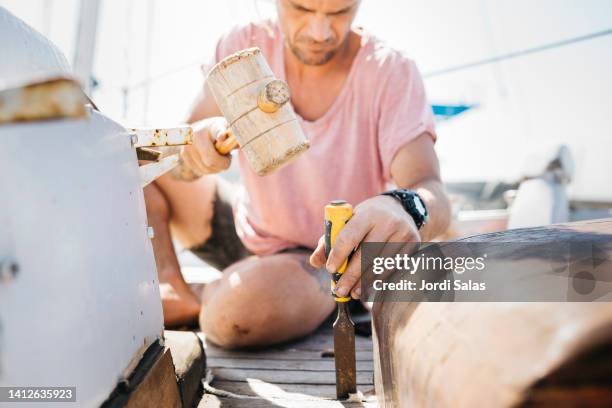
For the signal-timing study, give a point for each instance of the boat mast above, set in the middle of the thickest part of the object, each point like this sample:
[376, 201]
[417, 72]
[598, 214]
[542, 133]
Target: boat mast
[86, 42]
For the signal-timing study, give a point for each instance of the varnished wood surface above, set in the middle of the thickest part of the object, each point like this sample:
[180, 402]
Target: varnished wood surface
[498, 353]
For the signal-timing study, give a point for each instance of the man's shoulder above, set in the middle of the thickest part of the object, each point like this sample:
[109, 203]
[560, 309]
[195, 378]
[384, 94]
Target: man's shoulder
[263, 34]
[380, 58]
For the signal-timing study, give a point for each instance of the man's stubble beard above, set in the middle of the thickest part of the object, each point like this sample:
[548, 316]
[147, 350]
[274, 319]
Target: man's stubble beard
[311, 61]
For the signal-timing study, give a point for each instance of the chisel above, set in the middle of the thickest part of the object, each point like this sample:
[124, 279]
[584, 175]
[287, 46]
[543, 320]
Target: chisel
[337, 213]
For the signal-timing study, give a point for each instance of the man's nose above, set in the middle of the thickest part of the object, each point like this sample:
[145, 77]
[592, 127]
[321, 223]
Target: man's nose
[319, 28]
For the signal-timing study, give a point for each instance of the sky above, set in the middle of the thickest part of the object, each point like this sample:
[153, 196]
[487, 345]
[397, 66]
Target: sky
[523, 105]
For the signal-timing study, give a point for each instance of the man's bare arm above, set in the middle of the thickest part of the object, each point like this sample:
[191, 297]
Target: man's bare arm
[416, 167]
[383, 218]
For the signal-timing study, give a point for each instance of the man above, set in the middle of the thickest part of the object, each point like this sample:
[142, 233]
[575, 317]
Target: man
[362, 106]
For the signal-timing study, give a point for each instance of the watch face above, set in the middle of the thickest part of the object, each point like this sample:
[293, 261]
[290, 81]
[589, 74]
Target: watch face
[419, 206]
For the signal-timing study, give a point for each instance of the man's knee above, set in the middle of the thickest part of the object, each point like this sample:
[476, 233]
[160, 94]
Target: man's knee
[233, 326]
[242, 311]
[263, 301]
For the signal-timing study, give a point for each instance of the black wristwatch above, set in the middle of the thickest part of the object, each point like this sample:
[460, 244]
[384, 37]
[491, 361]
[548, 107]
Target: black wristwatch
[412, 203]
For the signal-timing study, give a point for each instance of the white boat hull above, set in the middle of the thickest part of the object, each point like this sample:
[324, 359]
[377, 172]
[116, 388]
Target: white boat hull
[85, 302]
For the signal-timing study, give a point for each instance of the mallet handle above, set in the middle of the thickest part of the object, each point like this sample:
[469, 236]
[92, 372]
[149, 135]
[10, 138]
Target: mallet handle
[226, 142]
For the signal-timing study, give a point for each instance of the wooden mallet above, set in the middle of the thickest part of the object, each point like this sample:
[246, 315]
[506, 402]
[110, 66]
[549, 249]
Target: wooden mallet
[255, 104]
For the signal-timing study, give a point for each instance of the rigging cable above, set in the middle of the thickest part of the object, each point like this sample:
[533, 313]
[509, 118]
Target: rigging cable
[516, 54]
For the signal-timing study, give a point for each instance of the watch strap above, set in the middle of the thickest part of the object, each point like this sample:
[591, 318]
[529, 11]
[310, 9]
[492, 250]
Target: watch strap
[407, 199]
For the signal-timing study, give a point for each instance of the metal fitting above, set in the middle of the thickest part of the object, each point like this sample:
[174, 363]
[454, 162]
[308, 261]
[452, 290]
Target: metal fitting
[133, 138]
[150, 232]
[273, 96]
[8, 270]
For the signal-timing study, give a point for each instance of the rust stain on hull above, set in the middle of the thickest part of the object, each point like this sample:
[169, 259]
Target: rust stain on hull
[51, 98]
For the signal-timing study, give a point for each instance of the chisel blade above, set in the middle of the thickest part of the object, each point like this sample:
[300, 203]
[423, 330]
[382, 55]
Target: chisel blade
[344, 352]
[149, 172]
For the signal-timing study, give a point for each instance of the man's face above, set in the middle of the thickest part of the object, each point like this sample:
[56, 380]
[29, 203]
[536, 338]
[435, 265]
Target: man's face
[315, 29]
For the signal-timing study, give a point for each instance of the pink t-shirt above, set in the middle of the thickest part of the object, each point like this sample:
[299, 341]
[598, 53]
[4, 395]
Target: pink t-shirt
[381, 107]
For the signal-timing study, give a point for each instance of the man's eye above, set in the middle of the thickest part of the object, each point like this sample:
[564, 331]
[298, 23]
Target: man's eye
[340, 12]
[301, 9]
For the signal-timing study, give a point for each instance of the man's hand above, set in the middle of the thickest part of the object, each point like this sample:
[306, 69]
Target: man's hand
[180, 305]
[378, 219]
[201, 157]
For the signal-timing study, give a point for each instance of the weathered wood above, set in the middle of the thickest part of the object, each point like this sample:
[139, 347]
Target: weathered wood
[159, 387]
[315, 344]
[253, 388]
[290, 374]
[287, 376]
[269, 138]
[321, 364]
[212, 401]
[283, 355]
[320, 342]
[493, 354]
[189, 363]
[288, 395]
[260, 388]
[152, 383]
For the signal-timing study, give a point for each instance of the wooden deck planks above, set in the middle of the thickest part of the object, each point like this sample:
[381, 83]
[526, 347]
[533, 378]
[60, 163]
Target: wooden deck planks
[325, 364]
[285, 355]
[291, 375]
[283, 376]
[214, 402]
[253, 387]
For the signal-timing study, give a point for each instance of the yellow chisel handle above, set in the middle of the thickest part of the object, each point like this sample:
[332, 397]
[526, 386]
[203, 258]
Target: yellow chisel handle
[337, 213]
